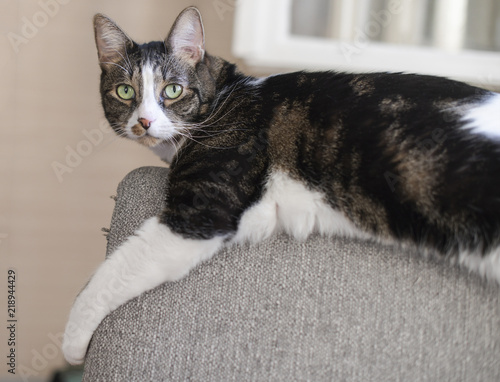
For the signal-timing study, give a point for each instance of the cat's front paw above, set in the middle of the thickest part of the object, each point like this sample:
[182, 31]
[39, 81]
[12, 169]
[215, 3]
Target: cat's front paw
[75, 344]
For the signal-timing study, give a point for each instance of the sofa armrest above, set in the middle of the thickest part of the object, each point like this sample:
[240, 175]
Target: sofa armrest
[323, 310]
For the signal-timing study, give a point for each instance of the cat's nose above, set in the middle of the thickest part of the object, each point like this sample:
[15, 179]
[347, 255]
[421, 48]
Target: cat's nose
[145, 123]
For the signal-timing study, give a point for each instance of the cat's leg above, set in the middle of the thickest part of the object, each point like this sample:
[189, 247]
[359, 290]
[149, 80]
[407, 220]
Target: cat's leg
[487, 266]
[152, 256]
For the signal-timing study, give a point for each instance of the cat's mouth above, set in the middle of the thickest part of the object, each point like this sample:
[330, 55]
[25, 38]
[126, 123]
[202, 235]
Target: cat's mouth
[142, 136]
[149, 141]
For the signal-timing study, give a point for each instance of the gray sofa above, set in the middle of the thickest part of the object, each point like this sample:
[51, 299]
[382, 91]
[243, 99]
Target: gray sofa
[323, 310]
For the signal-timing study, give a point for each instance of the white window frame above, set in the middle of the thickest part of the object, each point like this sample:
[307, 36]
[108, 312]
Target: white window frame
[262, 37]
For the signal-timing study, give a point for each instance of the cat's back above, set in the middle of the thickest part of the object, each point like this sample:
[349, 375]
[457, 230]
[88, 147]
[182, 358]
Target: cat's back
[316, 121]
[410, 156]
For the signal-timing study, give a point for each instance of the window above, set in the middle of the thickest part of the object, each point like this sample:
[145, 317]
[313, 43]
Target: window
[454, 38]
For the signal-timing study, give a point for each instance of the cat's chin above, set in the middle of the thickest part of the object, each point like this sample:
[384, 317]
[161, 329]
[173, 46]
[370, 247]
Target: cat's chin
[149, 141]
[166, 150]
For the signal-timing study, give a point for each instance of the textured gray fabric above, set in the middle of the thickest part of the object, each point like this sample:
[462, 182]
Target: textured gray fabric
[324, 310]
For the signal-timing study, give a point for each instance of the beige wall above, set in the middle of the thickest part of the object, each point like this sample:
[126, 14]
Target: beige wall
[50, 228]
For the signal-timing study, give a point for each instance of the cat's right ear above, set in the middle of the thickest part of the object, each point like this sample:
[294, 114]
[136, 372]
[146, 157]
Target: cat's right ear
[187, 37]
[112, 43]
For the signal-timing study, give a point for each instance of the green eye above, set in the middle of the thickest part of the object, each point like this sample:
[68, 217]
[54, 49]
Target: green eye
[125, 92]
[173, 91]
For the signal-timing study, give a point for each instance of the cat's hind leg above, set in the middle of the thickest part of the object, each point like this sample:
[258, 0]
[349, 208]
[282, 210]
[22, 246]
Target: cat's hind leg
[487, 266]
[152, 256]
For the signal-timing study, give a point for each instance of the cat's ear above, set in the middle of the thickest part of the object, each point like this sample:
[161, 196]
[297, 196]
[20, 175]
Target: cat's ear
[187, 37]
[112, 43]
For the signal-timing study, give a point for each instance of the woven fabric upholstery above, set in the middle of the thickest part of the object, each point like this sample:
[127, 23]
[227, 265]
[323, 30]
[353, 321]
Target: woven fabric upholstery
[324, 310]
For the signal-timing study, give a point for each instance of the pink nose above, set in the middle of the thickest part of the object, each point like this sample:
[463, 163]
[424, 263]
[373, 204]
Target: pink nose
[145, 123]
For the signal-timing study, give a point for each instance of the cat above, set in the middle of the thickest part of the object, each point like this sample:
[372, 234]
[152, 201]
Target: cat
[402, 158]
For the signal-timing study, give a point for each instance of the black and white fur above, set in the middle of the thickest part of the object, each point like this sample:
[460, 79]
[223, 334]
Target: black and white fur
[400, 158]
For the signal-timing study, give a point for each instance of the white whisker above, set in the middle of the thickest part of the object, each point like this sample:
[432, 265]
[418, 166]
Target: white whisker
[114, 63]
[216, 108]
[186, 135]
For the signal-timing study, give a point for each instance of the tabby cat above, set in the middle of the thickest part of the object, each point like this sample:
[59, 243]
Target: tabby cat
[401, 158]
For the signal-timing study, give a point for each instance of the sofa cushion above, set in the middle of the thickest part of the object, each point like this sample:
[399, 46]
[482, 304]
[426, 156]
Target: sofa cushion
[321, 310]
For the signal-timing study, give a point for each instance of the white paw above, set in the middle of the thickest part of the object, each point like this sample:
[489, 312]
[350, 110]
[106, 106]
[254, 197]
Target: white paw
[149, 258]
[258, 223]
[75, 344]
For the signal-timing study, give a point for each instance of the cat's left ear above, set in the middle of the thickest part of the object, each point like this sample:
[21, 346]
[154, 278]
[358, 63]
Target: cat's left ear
[112, 43]
[187, 37]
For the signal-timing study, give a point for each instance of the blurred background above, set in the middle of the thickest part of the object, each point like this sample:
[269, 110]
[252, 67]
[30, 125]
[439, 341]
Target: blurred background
[60, 163]
[447, 24]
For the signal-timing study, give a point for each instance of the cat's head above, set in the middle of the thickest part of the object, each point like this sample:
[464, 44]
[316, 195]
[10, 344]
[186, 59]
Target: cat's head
[152, 93]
